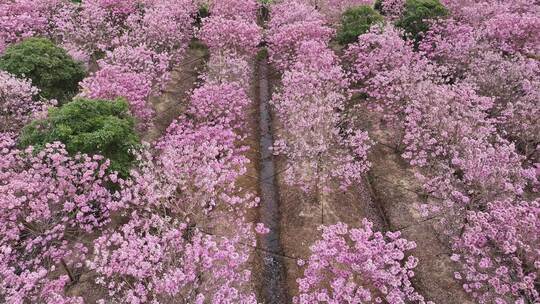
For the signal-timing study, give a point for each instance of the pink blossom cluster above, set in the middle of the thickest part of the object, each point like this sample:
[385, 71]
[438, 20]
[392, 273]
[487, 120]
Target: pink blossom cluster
[228, 68]
[203, 162]
[313, 93]
[51, 204]
[506, 25]
[221, 104]
[19, 103]
[165, 27]
[232, 26]
[155, 259]
[21, 19]
[363, 266]
[471, 47]
[89, 28]
[291, 23]
[235, 9]
[496, 36]
[385, 68]
[142, 54]
[497, 248]
[168, 251]
[514, 85]
[317, 150]
[18, 20]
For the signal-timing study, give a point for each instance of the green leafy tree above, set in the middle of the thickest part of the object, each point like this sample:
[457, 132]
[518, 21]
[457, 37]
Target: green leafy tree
[357, 21]
[51, 69]
[417, 14]
[89, 126]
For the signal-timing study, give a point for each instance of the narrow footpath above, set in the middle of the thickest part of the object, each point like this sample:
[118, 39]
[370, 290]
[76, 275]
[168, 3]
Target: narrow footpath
[273, 283]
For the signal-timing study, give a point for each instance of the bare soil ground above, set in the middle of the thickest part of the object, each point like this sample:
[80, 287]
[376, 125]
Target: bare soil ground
[397, 191]
[174, 99]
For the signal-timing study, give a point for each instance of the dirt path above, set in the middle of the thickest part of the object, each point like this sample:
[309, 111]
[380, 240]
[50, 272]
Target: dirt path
[273, 283]
[396, 191]
[173, 101]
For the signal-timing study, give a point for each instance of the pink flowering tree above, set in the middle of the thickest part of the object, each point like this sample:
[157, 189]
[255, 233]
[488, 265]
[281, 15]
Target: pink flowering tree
[235, 9]
[19, 103]
[228, 68]
[20, 19]
[309, 105]
[88, 29]
[165, 27]
[220, 104]
[490, 50]
[358, 265]
[204, 164]
[158, 259]
[513, 84]
[51, 204]
[238, 35]
[384, 71]
[141, 60]
[498, 252]
[292, 23]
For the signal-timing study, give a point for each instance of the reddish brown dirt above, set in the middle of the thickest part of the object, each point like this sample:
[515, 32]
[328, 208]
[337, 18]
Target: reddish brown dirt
[396, 190]
[174, 99]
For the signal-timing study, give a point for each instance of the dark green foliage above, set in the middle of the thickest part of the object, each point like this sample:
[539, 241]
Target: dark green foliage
[88, 126]
[378, 6]
[357, 21]
[51, 69]
[262, 54]
[202, 13]
[415, 19]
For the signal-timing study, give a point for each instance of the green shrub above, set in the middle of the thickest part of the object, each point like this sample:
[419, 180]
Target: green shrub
[357, 21]
[415, 18]
[51, 69]
[88, 126]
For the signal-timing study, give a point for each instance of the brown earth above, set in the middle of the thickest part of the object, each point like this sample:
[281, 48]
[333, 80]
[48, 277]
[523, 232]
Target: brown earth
[173, 100]
[397, 192]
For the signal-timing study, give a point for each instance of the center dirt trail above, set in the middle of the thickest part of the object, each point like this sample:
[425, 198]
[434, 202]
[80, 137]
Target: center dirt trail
[273, 274]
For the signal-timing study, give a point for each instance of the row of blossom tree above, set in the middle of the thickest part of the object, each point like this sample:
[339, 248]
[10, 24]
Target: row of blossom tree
[347, 265]
[464, 99]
